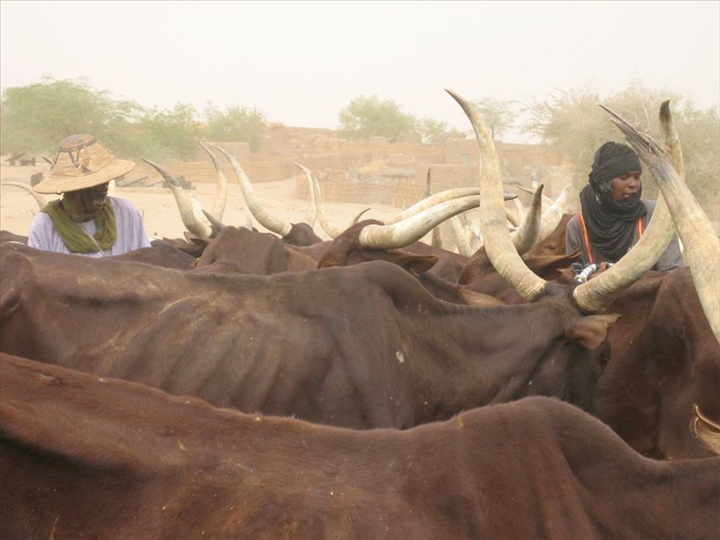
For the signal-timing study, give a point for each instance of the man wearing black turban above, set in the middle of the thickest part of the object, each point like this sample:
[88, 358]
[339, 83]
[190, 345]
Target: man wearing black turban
[613, 216]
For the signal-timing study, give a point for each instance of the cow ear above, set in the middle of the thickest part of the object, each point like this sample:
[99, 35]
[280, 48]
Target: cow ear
[411, 261]
[592, 330]
[550, 267]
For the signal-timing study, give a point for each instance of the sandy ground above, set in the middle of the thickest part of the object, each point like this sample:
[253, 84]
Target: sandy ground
[160, 213]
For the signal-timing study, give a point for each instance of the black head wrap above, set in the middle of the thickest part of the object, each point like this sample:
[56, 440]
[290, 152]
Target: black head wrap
[612, 160]
[611, 223]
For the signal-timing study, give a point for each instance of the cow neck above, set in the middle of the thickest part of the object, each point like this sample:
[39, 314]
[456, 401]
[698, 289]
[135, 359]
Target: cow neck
[484, 365]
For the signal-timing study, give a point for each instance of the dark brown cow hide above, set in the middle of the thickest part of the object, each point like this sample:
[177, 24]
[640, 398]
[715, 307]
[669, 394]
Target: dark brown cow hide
[255, 253]
[363, 346]
[89, 457]
[665, 360]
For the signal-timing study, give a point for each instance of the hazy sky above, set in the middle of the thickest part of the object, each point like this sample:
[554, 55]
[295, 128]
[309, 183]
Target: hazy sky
[302, 62]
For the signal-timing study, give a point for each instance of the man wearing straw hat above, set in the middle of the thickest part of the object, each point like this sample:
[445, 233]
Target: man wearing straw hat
[85, 221]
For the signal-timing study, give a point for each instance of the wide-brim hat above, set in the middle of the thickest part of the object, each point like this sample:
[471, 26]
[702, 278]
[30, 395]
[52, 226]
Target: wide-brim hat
[81, 162]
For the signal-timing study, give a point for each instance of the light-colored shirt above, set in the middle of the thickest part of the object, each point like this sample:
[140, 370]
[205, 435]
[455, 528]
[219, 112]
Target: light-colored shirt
[130, 231]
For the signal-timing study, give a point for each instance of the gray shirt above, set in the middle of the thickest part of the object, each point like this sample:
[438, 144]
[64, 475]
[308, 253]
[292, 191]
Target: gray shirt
[130, 231]
[672, 258]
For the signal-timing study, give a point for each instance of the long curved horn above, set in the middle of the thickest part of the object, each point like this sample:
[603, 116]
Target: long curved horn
[554, 210]
[263, 217]
[312, 213]
[701, 244]
[519, 216]
[190, 210]
[498, 244]
[330, 228]
[357, 217]
[528, 234]
[598, 293]
[462, 239]
[221, 192]
[412, 229]
[467, 240]
[547, 201]
[442, 196]
[432, 200]
[563, 205]
[428, 184]
[38, 198]
[315, 199]
[216, 224]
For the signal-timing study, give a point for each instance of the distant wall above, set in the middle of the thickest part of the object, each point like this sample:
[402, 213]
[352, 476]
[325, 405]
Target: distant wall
[366, 170]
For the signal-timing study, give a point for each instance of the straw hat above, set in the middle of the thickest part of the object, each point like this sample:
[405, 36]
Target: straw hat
[81, 162]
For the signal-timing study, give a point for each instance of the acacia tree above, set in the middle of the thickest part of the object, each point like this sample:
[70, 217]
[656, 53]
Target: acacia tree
[38, 116]
[35, 118]
[433, 130]
[499, 115]
[368, 117]
[236, 124]
[169, 135]
[572, 123]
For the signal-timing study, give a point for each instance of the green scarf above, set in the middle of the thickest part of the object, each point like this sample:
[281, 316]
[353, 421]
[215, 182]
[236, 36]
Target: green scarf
[74, 237]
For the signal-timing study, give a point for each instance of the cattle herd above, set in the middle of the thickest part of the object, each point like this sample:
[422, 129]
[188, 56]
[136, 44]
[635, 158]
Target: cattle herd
[234, 384]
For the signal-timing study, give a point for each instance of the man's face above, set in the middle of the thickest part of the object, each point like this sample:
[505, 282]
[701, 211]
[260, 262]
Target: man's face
[626, 185]
[98, 194]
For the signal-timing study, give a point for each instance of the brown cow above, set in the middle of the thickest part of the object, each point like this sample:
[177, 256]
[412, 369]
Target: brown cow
[665, 360]
[88, 457]
[161, 253]
[257, 253]
[363, 346]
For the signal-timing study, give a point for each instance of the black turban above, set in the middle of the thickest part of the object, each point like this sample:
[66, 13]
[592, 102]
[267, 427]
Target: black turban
[612, 160]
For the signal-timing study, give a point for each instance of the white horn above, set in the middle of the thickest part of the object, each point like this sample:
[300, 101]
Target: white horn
[263, 217]
[221, 192]
[493, 222]
[331, 229]
[190, 210]
[413, 228]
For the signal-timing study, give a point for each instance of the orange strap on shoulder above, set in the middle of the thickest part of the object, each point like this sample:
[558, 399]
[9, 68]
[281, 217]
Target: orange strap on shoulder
[640, 226]
[586, 238]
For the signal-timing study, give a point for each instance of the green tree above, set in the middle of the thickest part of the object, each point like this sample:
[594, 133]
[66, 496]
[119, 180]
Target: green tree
[38, 116]
[499, 115]
[236, 124]
[167, 135]
[572, 123]
[368, 117]
[35, 118]
[433, 130]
